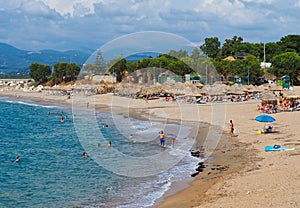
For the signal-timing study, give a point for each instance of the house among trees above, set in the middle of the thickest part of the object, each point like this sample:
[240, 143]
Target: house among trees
[242, 55]
[229, 58]
[237, 56]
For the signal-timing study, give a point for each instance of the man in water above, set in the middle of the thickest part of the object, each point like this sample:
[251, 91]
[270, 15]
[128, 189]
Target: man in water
[162, 138]
[18, 159]
[84, 155]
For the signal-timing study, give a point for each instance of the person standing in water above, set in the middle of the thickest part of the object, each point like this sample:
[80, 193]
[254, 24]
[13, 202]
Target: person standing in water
[231, 128]
[173, 141]
[162, 138]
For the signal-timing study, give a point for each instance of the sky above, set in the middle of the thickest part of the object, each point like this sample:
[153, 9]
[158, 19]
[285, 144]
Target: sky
[73, 24]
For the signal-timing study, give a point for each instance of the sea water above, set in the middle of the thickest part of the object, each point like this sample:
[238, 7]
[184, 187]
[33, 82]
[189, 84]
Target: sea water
[52, 171]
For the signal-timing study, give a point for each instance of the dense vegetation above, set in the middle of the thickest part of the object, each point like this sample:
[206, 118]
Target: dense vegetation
[233, 59]
[63, 72]
[284, 56]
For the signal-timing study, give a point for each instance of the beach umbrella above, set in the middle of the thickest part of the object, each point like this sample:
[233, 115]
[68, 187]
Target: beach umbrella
[265, 118]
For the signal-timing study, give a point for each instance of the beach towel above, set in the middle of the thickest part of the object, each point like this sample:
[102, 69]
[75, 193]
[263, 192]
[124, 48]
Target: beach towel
[277, 147]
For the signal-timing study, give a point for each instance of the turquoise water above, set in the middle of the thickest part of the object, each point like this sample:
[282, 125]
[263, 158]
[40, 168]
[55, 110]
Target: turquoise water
[52, 172]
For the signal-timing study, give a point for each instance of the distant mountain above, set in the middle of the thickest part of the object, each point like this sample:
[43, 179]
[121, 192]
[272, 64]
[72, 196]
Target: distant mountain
[142, 55]
[14, 60]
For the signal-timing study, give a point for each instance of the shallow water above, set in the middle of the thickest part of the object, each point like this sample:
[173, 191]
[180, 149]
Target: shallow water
[52, 172]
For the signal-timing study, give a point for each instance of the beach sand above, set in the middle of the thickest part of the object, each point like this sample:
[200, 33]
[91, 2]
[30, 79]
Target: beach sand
[241, 174]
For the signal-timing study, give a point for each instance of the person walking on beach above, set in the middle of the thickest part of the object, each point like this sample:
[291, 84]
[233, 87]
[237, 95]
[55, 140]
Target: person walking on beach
[231, 128]
[162, 138]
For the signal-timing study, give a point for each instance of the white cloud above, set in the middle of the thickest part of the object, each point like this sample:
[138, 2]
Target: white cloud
[73, 7]
[71, 23]
[35, 8]
[259, 1]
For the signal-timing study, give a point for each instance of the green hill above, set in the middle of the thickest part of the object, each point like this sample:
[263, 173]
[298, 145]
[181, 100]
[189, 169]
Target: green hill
[17, 61]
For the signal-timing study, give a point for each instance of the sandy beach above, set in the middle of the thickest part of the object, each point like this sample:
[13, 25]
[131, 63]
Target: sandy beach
[241, 173]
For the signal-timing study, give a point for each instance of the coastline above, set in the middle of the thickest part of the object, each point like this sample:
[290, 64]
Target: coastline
[232, 186]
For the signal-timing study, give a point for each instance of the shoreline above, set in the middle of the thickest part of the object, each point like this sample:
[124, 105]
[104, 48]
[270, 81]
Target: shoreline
[236, 185]
[38, 98]
[141, 114]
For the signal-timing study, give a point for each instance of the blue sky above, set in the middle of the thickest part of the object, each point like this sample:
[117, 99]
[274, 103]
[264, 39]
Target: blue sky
[72, 24]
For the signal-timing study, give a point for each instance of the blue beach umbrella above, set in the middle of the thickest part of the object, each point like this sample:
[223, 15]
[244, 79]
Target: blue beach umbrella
[265, 118]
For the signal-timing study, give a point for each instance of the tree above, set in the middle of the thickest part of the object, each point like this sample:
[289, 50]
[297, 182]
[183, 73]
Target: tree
[65, 72]
[131, 66]
[232, 47]
[59, 72]
[287, 64]
[211, 47]
[223, 68]
[178, 54]
[179, 67]
[195, 53]
[72, 71]
[162, 61]
[118, 67]
[290, 43]
[39, 72]
[144, 63]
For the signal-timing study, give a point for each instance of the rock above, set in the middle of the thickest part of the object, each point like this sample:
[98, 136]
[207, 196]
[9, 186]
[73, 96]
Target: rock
[194, 174]
[199, 169]
[195, 153]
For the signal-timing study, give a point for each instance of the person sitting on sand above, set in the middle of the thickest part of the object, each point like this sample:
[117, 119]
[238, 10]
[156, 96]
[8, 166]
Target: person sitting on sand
[18, 159]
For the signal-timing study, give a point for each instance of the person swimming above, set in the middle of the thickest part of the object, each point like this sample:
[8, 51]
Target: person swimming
[84, 155]
[18, 159]
[109, 144]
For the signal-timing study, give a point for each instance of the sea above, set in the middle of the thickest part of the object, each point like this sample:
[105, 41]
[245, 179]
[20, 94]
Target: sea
[53, 173]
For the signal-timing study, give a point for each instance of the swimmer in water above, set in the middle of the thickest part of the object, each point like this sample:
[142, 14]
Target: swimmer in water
[84, 155]
[109, 144]
[18, 159]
